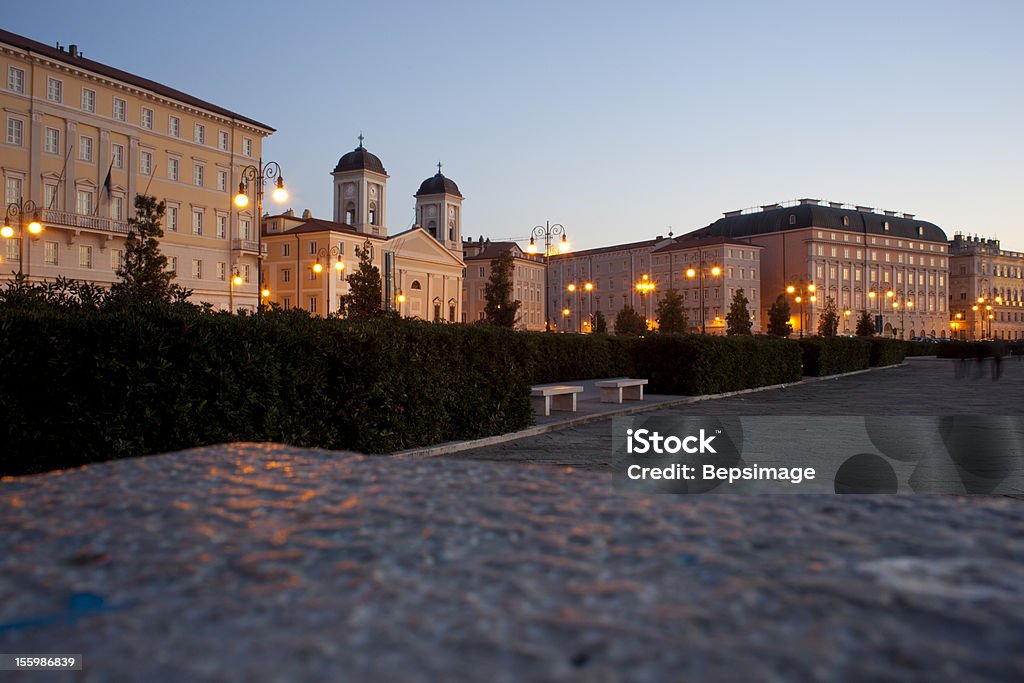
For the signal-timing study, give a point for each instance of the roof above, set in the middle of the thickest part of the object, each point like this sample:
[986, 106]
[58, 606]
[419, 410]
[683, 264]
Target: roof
[32, 46]
[686, 242]
[438, 184]
[314, 225]
[360, 159]
[493, 250]
[605, 250]
[812, 215]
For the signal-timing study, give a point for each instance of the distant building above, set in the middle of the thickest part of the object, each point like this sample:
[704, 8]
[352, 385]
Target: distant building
[527, 282]
[84, 138]
[309, 259]
[852, 254]
[983, 274]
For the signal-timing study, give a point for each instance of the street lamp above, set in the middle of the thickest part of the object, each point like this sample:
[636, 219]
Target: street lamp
[19, 209]
[698, 272]
[800, 292]
[548, 233]
[846, 320]
[256, 176]
[565, 317]
[589, 287]
[907, 304]
[645, 286]
[579, 302]
[339, 265]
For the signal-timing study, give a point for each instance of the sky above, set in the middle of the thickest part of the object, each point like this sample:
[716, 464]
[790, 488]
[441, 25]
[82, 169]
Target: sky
[619, 120]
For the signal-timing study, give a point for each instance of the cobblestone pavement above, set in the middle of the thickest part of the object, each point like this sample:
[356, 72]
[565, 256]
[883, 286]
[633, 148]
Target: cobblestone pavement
[919, 387]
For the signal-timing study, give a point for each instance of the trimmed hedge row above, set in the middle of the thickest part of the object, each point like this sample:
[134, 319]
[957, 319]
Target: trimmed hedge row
[887, 351]
[698, 364]
[834, 355]
[81, 386]
[920, 348]
[568, 357]
[979, 349]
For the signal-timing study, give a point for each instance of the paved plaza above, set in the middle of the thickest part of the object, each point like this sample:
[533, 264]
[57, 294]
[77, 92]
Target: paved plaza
[262, 562]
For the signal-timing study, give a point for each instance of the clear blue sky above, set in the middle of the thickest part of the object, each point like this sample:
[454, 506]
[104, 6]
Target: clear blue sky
[616, 119]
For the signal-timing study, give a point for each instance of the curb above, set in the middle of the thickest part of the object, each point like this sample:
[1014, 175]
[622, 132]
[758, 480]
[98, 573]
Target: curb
[458, 446]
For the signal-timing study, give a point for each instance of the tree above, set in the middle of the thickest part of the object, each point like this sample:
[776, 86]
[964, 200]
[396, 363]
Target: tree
[828, 319]
[671, 315]
[501, 309]
[599, 323]
[778, 318]
[144, 274]
[630, 323]
[865, 325]
[364, 287]
[738, 320]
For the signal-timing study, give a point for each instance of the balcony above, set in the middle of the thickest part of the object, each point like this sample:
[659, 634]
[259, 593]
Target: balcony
[250, 246]
[68, 219]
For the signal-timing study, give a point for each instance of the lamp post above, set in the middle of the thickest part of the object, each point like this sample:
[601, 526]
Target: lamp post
[896, 306]
[800, 292]
[548, 232]
[873, 295]
[19, 209]
[565, 317]
[236, 281]
[589, 287]
[256, 176]
[339, 265]
[956, 326]
[645, 286]
[579, 302]
[713, 271]
[846, 321]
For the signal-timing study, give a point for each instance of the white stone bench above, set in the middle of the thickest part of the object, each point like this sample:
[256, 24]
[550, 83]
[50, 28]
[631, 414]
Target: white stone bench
[615, 390]
[560, 397]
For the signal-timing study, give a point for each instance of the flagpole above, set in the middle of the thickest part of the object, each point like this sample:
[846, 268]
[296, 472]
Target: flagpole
[61, 178]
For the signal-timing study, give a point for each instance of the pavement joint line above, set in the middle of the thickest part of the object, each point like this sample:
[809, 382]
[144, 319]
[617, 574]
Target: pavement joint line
[458, 446]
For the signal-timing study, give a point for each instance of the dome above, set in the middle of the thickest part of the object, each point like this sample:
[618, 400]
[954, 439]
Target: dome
[438, 185]
[360, 160]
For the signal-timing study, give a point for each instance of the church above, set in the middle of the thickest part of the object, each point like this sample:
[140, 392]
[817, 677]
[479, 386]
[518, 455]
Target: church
[308, 259]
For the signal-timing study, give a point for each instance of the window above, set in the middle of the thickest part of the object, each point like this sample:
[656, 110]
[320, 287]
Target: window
[172, 168]
[172, 264]
[222, 181]
[172, 218]
[15, 79]
[147, 118]
[481, 271]
[51, 253]
[12, 248]
[85, 257]
[15, 131]
[222, 226]
[145, 163]
[312, 247]
[116, 259]
[286, 275]
[55, 90]
[286, 303]
[199, 134]
[312, 274]
[245, 273]
[247, 147]
[846, 221]
[197, 269]
[120, 109]
[117, 208]
[312, 304]
[51, 140]
[222, 271]
[88, 100]
[117, 155]
[84, 148]
[792, 219]
[197, 221]
[13, 189]
[243, 228]
[83, 204]
[197, 175]
[222, 140]
[51, 197]
[174, 126]
[286, 249]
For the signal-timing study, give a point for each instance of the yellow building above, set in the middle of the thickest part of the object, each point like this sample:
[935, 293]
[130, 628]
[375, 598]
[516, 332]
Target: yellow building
[82, 139]
[986, 289]
[527, 282]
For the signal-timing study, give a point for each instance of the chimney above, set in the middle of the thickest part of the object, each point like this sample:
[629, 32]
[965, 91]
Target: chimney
[73, 49]
[890, 213]
[289, 212]
[730, 214]
[908, 215]
[769, 207]
[836, 205]
[306, 213]
[869, 209]
[810, 201]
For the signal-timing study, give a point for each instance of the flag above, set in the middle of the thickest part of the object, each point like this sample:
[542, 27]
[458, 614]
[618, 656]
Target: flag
[108, 183]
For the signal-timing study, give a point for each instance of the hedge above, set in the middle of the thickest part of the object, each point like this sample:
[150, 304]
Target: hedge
[698, 364]
[834, 355]
[979, 349]
[887, 351]
[82, 386]
[571, 357]
[920, 348]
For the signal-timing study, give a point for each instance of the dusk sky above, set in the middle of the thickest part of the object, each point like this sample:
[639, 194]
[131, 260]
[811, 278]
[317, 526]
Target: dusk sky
[615, 119]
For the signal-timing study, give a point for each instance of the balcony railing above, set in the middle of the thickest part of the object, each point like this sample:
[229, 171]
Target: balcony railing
[248, 245]
[77, 220]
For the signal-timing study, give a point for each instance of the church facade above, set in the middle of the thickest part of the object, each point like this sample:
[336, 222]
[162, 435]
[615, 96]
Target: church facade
[308, 259]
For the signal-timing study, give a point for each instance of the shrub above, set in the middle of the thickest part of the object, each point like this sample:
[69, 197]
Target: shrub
[82, 385]
[922, 348]
[834, 355]
[887, 351]
[699, 364]
[566, 357]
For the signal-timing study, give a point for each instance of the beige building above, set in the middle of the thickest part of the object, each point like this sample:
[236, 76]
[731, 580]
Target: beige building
[986, 292]
[309, 259]
[82, 139]
[527, 282]
[854, 255]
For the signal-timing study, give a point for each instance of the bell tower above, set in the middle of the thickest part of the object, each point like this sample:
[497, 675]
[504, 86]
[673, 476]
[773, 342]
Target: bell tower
[439, 210]
[360, 191]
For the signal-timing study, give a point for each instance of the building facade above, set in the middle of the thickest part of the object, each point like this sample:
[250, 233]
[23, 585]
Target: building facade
[309, 259]
[527, 282]
[82, 139]
[895, 266]
[986, 292]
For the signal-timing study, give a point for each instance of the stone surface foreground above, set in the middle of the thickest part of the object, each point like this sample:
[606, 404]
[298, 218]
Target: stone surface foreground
[267, 563]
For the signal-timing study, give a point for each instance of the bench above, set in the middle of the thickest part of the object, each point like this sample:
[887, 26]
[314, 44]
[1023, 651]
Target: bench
[615, 390]
[548, 398]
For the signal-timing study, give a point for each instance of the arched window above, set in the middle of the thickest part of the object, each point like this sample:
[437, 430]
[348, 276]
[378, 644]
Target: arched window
[373, 214]
[437, 309]
[415, 285]
[792, 219]
[451, 231]
[432, 229]
[451, 310]
[846, 221]
[350, 213]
